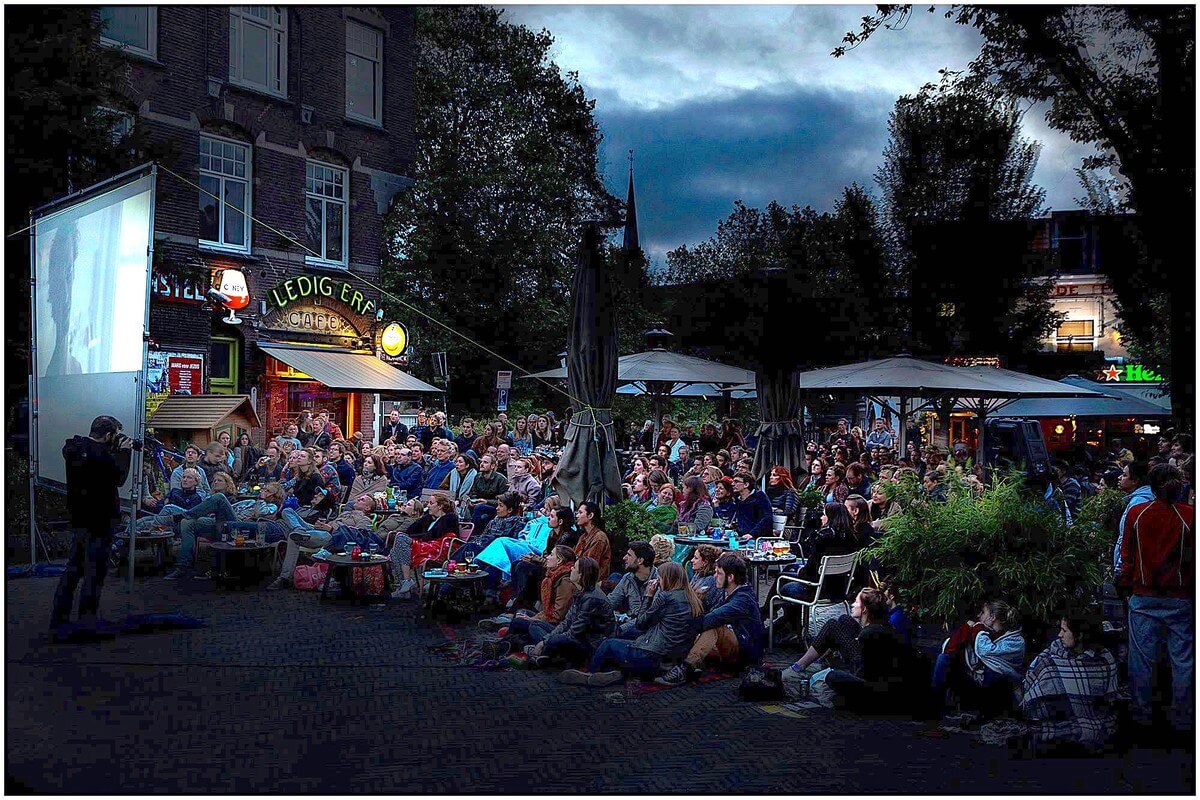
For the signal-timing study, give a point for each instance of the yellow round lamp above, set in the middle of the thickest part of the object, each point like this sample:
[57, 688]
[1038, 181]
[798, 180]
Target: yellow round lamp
[394, 339]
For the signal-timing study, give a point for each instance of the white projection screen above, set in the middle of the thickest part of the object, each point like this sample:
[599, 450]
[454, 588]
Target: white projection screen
[92, 271]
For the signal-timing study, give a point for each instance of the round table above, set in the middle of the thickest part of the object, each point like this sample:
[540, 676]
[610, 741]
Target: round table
[758, 562]
[473, 581]
[158, 542]
[345, 565]
[696, 541]
[239, 565]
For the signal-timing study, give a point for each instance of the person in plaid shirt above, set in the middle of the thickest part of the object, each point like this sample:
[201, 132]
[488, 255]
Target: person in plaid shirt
[1071, 687]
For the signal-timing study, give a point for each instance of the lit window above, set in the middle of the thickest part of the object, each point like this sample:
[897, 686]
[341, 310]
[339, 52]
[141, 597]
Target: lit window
[1076, 335]
[258, 48]
[224, 175]
[325, 212]
[364, 73]
[132, 28]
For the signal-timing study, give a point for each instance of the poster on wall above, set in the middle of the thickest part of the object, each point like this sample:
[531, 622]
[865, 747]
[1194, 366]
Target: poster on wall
[171, 373]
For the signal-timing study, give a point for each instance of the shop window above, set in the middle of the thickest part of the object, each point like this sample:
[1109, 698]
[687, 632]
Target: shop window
[326, 231]
[364, 73]
[223, 366]
[225, 174]
[1076, 335]
[134, 29]
[258, 41]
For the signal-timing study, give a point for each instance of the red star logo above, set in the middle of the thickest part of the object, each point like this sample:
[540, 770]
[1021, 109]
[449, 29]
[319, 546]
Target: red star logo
[1111, 374]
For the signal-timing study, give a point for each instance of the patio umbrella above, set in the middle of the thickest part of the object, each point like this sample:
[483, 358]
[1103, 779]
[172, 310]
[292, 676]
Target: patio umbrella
[588, 467]
[660, 373]
[780, 442]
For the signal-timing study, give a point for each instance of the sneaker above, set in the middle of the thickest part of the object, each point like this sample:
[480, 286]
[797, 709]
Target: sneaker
[574, 677]
[679, 675]
[606, 678]
[577, 677]
[177, 573]
[495, 623]
[405, 589]
[280, 583]
[494, 651]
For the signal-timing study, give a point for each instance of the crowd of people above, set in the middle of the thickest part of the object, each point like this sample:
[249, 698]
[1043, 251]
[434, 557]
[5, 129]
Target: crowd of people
[601, 608]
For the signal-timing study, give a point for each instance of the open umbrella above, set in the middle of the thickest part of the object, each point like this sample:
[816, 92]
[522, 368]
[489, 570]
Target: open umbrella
[588, 467]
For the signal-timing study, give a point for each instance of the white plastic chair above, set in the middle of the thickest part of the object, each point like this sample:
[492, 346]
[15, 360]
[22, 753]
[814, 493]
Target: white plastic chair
[833, 580]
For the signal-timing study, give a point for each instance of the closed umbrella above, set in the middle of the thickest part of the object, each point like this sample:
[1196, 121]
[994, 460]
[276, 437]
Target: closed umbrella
[780, 442]
[588, 467]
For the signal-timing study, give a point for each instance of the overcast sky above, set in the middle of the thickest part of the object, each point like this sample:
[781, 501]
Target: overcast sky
[724, 103]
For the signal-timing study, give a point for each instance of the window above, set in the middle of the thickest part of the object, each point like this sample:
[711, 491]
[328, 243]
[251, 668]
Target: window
[223, 366]
[120, 123]
[364, 73]
[258, 48]
[1076, 335]
[325, 228]
[132, 28]
[224, 174]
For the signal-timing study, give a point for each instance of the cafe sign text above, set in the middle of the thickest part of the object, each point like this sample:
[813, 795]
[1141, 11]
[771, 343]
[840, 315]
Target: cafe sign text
[304, 286]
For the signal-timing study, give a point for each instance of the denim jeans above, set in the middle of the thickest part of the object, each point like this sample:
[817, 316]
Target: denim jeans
[296, 540]
[482, 514]
[1151, 621]
[564, 647]
[621, 654]
[86, 561]
[535, 630]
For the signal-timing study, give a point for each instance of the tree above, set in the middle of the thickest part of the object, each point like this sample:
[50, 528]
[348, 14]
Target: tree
[1123, 79]
[958, 197]
[63, 132]
[506, 171]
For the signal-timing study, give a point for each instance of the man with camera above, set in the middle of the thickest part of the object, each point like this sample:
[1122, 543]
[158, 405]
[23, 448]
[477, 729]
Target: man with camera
[97, 465]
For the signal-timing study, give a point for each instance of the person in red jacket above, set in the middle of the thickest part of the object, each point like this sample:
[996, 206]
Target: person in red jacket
[1158, 566]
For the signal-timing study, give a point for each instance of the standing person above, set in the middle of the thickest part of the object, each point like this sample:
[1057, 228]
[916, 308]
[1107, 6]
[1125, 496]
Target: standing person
[227, 442]
[879, 436]
[1134, 481]
[393, 428]
[96, 467]
[1158, 569]
[245, 456]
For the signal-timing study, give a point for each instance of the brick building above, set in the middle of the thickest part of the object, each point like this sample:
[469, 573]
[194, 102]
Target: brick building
[301, 117]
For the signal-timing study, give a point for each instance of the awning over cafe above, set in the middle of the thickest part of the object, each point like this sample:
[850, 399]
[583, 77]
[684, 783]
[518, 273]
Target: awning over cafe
[346, 370]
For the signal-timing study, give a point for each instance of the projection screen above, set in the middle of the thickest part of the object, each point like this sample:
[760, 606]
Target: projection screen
[91, 270]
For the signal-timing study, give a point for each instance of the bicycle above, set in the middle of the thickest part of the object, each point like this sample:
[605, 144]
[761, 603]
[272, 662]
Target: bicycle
[164, 459]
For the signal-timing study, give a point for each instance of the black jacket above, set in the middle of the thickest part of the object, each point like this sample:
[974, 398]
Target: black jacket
[399, 431]
[94, 475]
[426, 528]
[589, 620]
[826, 542]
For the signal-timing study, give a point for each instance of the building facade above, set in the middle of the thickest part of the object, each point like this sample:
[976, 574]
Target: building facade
[290, 131]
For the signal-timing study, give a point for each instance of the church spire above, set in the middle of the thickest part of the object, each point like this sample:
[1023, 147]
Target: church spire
[631, 229]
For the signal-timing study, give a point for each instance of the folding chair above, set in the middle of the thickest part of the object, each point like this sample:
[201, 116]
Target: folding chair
[833, 581]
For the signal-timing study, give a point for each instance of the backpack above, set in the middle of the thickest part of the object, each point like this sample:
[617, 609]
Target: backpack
[761, 684]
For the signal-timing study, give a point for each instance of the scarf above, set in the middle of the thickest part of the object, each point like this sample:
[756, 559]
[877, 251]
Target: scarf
[460, 485]
[547, 589]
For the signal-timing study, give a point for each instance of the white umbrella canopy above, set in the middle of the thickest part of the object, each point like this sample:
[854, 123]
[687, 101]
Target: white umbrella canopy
[660, 373]
[987, 388]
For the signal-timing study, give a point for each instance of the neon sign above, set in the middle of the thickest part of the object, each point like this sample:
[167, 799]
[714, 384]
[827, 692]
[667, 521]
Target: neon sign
[319, 286]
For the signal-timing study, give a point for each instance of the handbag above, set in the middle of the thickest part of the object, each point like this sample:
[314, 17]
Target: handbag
[309, 577]
[761, 684]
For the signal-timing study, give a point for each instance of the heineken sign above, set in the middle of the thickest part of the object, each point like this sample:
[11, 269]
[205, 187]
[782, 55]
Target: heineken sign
[304, 286]
[1132, 373]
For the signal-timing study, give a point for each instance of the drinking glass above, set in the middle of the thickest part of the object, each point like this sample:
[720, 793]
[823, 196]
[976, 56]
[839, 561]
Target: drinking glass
[373, 548]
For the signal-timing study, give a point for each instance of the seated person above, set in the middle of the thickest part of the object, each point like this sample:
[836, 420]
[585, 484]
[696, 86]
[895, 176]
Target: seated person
[176, 502]
[528, 567]
[834, 538]
[266, 468]
[629, 595]
[665, 628]
[982, 661]
[731, 633]
[663, 509]
[704, 581]
[407, 476]
[508, 523]
[587, 622]
[881, 675]
[191, 460]
[319, 534]
[209, 518]
[524, 483]
[426, 538]
[897, 617]
[1070, 689]
[663, 548]
[489, 484]
[374, 478]
[556, 592]
[724, 510]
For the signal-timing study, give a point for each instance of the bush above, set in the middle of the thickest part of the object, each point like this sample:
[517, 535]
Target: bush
[949, 558]
[809, 498]
[631, 519]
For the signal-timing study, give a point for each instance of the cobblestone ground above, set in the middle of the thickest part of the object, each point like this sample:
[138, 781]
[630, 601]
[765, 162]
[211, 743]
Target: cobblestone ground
[282, 693]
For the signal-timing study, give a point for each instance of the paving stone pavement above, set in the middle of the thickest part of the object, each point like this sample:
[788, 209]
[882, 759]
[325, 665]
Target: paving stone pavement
[282, 693]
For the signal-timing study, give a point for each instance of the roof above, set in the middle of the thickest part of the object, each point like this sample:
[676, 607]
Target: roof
[201, 411]
[705, 390]
[1150, 392]
[665, 365]
[1119, 404]
[346, 370]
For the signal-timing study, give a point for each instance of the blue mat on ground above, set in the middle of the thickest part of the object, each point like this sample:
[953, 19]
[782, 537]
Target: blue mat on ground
[37, 571]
